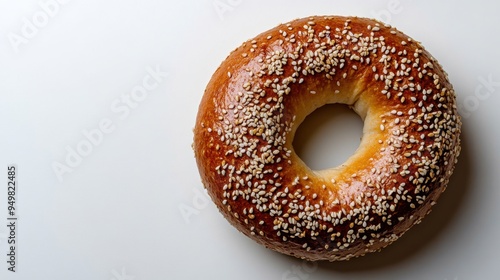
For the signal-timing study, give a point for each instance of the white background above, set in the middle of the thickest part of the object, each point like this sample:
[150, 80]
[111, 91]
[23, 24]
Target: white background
[132, 206]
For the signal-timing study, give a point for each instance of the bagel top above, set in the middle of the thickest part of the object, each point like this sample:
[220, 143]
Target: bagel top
[265, 88]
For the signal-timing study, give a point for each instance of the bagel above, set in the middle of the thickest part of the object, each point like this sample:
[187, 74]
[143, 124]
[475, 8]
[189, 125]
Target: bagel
[264, 89]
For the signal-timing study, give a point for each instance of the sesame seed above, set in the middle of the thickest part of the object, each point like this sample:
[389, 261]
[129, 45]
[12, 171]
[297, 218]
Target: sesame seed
[251, 132]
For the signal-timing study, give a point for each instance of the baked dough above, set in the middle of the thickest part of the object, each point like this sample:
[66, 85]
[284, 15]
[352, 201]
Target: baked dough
[265, 88]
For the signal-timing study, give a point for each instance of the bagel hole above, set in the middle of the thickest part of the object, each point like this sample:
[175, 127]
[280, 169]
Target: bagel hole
[328, 136]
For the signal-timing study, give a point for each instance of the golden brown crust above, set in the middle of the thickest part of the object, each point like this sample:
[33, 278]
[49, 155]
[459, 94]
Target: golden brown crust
[260, 94]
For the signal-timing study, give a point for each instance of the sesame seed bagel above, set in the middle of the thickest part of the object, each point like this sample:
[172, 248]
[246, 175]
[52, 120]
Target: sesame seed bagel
[257, 98]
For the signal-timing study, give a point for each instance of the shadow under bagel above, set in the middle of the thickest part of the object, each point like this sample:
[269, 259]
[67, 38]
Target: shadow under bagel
[417, 238]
